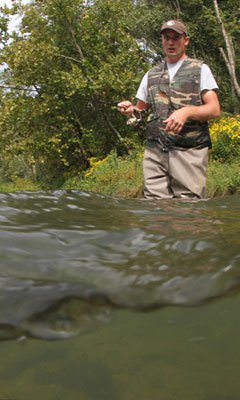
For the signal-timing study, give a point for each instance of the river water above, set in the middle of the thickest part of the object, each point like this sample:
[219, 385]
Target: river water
[119, 299]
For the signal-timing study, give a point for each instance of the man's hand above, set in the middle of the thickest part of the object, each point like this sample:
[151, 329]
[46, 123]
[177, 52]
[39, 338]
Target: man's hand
[174, 123]
[126, 108]
[209, 109]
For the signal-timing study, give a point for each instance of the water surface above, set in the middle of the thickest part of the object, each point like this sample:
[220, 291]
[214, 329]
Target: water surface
[146, 294]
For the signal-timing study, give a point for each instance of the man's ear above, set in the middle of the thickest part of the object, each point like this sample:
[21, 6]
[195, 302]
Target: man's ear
[187, 40]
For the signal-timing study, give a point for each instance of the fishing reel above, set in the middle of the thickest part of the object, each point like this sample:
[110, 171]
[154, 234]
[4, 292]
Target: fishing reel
[136, 118]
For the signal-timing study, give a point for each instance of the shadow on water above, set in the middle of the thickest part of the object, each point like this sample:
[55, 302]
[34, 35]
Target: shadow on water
[69, 259]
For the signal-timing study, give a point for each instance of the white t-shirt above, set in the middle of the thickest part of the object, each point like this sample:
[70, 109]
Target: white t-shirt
[207, 81]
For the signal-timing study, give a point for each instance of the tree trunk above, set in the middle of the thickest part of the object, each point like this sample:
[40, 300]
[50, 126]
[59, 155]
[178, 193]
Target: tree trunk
[229, 54]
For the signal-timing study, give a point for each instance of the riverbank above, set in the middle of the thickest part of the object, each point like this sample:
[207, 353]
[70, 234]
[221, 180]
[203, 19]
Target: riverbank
[122, 177]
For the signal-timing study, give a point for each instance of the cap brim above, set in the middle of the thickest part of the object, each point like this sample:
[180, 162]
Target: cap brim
[173, 29]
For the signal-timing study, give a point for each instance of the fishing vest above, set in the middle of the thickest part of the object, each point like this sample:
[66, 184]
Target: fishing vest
[166, 96]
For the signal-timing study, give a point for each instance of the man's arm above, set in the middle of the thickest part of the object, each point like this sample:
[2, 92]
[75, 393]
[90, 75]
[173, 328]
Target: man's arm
[209, 109]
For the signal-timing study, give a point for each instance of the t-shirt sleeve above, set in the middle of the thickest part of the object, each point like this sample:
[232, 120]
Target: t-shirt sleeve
[142, 93]
[208, 81]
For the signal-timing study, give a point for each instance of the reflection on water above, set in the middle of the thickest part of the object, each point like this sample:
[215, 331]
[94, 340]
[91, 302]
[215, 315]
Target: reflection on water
[154, 287]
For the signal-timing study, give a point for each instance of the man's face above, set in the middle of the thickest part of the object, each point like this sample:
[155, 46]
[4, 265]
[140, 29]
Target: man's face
[174, 45]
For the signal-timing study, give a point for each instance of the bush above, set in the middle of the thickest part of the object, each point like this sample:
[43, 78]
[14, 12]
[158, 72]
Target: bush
[223, 178]
[120, 176]
[225, 135]
[15, 168]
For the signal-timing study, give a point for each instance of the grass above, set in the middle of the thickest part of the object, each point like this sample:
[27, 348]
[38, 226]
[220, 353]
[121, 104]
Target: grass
[223, 178]
[20, 184]
[117, 176]
[123, 177]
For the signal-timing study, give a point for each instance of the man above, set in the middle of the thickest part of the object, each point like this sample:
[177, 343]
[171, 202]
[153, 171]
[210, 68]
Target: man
[180, 94]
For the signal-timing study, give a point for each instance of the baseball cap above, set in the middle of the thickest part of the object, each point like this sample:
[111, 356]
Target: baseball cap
[176, 25]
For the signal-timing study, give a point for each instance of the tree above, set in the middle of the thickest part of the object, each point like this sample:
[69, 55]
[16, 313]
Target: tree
[73, 60]
[79, 60]
[229, 54]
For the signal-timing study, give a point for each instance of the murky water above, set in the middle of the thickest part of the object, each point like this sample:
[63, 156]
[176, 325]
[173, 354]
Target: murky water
[146, 294]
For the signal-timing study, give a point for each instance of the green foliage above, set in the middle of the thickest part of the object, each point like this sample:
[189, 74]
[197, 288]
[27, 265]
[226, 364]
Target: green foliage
[118, 176]
[225, 134]
[19, 185]
[14, 169]
[122, 176]
[223, 178]
[74, 61]
[4, 19]
[79, 63]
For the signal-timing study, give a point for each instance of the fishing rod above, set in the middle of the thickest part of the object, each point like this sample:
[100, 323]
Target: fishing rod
[134, 120]
[22, 88]
[39, 91]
